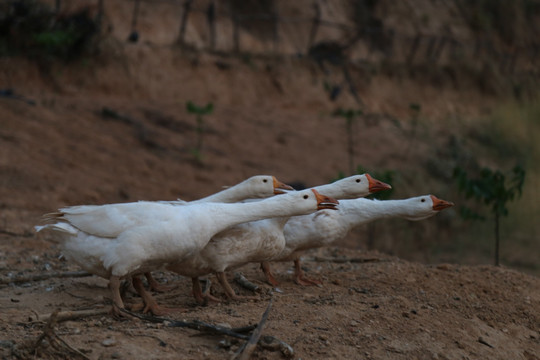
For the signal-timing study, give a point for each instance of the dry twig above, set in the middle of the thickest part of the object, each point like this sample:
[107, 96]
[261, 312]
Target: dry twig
[345, 260]
[42, 276]
[70, 315]
[54, 340]
[244, 353]
[242, 281]
[268, 342]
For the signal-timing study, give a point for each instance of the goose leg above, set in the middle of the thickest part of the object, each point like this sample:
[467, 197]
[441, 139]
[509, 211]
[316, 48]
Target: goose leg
[154, 285]
[150, 303]
[265, 266]
[222, 278]
[198, 294]
[301, 278]
[118, 304]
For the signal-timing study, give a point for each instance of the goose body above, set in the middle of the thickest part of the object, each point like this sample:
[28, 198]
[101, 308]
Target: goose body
[261, 240]
[255, 187]
[120, 240]
[326, 227]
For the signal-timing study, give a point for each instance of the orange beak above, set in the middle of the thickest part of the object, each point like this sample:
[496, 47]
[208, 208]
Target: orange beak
[376, 185]
[439, 204]
[279, 186]
[325, 202]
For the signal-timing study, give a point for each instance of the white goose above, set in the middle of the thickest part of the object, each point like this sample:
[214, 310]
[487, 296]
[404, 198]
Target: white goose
[258, 240]
[117, 241]
[325, 227]
[259, 186]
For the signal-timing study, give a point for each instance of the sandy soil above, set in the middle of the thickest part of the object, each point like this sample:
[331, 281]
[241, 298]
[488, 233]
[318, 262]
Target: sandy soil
[114, 128]
[371, 306]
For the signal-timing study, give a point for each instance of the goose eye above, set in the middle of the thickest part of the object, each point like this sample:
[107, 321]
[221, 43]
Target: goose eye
[306, 196]
[423, 200]
[358, 180]
[265, 180]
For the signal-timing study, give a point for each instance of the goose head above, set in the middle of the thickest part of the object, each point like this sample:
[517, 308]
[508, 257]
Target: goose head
[325, 202]
[305, 202]
[354, 186]
[425, 206]
[262, 186]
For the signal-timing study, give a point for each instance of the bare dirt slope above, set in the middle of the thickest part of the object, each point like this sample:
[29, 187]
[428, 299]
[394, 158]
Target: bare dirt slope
[63, 151]
[114, 128]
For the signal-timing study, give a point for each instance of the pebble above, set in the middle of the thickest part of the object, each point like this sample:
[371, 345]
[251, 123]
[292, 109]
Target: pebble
[108, 342]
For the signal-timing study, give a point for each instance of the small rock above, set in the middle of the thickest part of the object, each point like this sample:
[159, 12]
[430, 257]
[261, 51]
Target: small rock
[108, 342]
[445, 267]
[116, 355]
[225, 344]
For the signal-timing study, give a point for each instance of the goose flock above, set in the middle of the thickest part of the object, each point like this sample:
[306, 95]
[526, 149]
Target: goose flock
[236, 226]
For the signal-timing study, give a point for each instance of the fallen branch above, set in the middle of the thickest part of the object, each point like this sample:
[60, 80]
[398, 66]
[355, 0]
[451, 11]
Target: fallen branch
[42, 276]
[344, 260]
[245, 283]
[244, 353]
[70, 315]
[267, 342]
[48, 333]
[195, 325]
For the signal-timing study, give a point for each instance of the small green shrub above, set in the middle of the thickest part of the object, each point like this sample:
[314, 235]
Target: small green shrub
[492, 188]
[199, 112]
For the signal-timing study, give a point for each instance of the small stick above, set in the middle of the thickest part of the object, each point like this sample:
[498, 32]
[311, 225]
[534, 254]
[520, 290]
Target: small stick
[39, 277]
[271, 343]
[242, 281]
[195, 325]
[267, 342]
[60, 316]
[48, 332]
[71, 347]
[244, 353]
[345, 260]
[484, 342]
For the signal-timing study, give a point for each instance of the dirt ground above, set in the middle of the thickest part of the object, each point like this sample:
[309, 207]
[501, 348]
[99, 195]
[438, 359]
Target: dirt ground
[371, 306]
[114, 128]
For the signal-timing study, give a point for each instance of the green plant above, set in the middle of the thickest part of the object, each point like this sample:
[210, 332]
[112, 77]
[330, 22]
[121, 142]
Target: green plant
[199, 112]
[350, 116]
[493, 188]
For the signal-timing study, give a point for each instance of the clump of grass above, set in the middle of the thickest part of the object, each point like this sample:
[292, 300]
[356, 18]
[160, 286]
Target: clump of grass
[200, 112]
